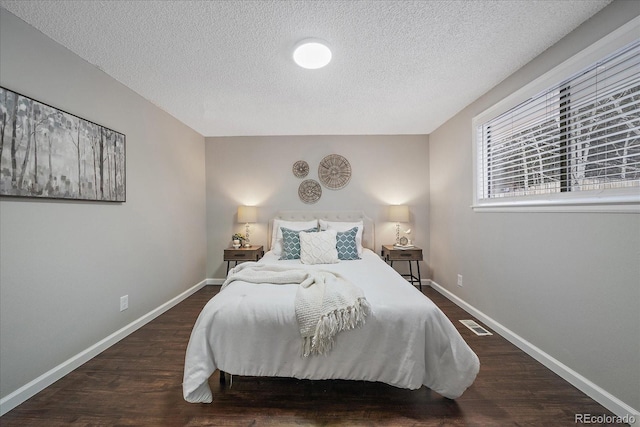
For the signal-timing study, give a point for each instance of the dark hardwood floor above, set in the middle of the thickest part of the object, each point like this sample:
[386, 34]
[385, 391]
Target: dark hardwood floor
[138, 382]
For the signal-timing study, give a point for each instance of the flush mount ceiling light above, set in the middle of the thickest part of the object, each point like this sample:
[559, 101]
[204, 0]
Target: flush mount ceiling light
[312, 54]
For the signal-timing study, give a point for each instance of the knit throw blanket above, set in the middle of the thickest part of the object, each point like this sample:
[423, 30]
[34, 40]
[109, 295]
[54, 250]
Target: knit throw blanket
[326, 303]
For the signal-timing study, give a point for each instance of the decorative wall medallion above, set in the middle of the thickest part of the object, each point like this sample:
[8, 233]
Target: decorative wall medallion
[334, 171]
[309, 191]
[301, 169]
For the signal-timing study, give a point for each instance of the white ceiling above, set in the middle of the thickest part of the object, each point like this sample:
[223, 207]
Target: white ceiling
[224, 68]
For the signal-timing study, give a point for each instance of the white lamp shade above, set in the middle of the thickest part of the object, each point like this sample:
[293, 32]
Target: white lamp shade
[247, 214]
[399, 213]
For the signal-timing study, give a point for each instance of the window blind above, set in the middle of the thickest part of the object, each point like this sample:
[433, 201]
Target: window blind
[582, 134]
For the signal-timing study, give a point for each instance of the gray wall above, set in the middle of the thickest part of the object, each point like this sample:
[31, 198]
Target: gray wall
[64, 265]
[569, 283]
[386, 169]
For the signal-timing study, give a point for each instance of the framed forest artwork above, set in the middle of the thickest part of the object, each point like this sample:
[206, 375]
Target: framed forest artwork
[48, 153]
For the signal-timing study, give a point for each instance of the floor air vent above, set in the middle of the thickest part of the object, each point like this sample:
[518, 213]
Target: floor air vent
[477, 329]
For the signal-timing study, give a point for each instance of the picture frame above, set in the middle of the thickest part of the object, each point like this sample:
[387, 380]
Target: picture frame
[48, 153]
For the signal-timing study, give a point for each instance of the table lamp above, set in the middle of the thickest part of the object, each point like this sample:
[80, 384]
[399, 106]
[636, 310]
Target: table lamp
[398, 214]
[247, 214]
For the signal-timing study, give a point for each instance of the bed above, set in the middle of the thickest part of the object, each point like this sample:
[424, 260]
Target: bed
[251, 329]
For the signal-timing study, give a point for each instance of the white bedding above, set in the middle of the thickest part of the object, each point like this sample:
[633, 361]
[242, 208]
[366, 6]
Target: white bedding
[251, 329]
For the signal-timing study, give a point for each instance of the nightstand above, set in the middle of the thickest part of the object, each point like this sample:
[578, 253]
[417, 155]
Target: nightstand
[252, 253]
[390, 254]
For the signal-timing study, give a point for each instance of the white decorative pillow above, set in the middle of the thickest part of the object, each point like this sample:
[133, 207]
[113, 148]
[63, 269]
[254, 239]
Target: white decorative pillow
[318, 248]
[345, 226]
[276, 234]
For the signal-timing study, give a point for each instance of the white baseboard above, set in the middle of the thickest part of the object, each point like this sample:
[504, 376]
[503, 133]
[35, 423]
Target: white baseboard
[215, 282]
[30, 389]
[592, 390]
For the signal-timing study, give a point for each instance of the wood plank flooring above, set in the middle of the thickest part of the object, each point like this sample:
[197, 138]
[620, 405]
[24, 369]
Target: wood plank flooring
[137, 382]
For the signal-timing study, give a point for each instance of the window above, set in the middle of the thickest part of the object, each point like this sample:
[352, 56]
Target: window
[575, 143]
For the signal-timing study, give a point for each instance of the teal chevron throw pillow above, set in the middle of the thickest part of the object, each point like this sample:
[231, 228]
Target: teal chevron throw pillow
[291, 242]
[346, 244]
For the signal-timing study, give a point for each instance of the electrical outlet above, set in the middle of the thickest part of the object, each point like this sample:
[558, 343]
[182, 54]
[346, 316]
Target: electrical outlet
[124, 302]
[460, 280]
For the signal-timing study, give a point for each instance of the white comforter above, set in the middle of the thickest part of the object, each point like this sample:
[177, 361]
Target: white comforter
[251, 329]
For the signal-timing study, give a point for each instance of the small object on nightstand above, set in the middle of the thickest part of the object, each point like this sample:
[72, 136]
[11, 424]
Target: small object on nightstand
[252, 253]
[391, 253]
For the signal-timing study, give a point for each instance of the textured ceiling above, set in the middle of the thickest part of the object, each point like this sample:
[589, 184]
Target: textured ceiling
[224, 68]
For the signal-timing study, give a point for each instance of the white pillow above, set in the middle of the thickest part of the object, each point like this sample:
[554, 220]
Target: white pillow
[345, 226]
[276, 233]
[318, 248]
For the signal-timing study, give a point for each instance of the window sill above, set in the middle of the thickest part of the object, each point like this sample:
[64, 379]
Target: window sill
[627, 207]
